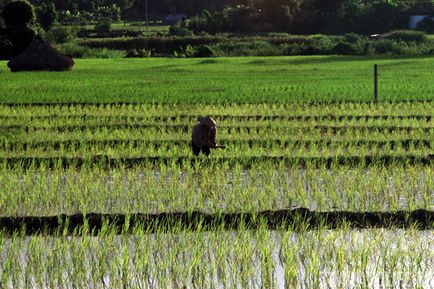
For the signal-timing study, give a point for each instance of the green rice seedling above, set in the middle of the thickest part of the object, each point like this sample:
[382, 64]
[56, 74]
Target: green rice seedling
[129, 152]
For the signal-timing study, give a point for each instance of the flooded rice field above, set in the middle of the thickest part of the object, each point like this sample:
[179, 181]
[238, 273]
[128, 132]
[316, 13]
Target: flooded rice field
[343, 258]
[214, 189]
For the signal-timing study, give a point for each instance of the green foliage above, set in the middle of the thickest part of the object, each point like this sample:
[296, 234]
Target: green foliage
[426, 25]
[46, 15]
[104, 25]
[177, 30]
[273, 44]
[351, 44]
[75, 50]
[406, 36]
[137, 53]
[247, 48]
[345, 48]
[112, 12]
[303, 17]
[184, 52]
[204, 51]
[238, 19]
[60, 34]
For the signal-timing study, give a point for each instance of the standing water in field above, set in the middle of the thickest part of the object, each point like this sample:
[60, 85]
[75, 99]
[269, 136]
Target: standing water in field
[219, 259]
[215, 189]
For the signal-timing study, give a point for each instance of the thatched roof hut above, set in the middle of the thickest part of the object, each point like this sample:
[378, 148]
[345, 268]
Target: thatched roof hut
[40, 56]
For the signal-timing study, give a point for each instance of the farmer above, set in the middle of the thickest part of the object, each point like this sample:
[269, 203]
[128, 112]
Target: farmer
[203, 138]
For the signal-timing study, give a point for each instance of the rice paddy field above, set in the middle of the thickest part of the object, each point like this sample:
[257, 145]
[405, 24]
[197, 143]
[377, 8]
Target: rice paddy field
[306, 195]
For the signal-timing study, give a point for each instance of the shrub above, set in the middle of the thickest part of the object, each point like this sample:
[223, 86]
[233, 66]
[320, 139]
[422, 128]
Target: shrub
[426, 25]
[368, 49]
[204, 51]
[387, 46]
[112, 12]
[180, 31]
[104, 25]
[353, 38]
[321, 45]
[47, 15]
[317, 45]
[265, 45]
[188, 51]
[248, 48]
[60, 34]
[346, 48]
[137, 53]
[77, 51]
[162, 45]
[406, 36]
[294, 48]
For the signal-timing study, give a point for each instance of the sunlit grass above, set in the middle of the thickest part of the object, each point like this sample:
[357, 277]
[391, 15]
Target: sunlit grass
[224, 80]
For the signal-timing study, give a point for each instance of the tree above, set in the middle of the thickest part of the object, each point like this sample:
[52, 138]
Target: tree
[19, 18]
[46, 15]
[113, 12]
[18, 13]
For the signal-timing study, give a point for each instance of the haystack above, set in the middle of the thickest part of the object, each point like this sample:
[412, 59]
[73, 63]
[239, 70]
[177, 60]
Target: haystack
[40, 56]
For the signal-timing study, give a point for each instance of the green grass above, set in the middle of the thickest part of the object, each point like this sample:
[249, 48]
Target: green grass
[225, 80]
[140, 26]
[133, 26]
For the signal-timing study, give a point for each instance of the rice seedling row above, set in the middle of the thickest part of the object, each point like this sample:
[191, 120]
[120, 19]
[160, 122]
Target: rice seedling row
[156, 134]
[171, 187]
[251, 259]
[193, 118]
[74, 145]
[232, 110]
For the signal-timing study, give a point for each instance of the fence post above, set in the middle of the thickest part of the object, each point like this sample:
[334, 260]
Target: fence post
[375, 83]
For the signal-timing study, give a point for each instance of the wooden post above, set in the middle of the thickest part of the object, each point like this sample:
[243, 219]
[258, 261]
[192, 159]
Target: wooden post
[376, 83]
[147, 16]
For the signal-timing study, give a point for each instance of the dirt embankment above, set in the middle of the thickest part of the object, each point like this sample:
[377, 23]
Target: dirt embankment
[293, 219]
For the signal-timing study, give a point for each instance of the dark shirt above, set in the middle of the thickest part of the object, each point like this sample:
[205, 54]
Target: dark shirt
[204, 136]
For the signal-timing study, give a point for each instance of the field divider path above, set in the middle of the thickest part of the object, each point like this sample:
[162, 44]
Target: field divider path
[293, 219]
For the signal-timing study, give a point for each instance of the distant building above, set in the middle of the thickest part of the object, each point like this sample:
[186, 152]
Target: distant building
[173, 19]
[419, 12]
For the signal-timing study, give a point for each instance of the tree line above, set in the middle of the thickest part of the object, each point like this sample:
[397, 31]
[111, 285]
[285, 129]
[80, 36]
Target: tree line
[270, 9]
[308, 17]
